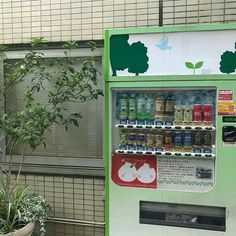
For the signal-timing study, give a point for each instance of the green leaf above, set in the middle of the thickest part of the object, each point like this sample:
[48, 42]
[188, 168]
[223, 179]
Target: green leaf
[189, 65]
[198, 65]
[72, 70]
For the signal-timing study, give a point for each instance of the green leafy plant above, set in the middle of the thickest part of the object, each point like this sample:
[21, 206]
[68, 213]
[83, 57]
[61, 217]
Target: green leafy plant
[194, 67]
[22, 207]
[61, 82]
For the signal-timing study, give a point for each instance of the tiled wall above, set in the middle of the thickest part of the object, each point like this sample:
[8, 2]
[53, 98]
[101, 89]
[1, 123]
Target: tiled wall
[61, 20]
[71, 198]
[198, 11]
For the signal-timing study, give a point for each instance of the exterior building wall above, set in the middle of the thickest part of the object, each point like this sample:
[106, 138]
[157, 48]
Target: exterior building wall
[62, 20]
[198, 11]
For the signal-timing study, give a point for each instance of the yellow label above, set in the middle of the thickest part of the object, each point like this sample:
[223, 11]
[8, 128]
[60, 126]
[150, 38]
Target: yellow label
[227, 108]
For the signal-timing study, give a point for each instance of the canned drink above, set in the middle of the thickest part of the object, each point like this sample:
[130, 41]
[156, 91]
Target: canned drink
[207, 148]
[159, 138]
[207, 139]
[150, 142]
[140, 141]
[188, 114]
[159, 141]
[123, 139]
[197, 139]
[179, 116]
[197, 142]
[168, 140]
[132, 140]
[197, 113]
[187, 141]
[178, 139]
[207, 113]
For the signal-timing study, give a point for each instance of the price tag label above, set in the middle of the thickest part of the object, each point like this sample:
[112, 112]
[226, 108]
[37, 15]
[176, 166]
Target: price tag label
[226, 96]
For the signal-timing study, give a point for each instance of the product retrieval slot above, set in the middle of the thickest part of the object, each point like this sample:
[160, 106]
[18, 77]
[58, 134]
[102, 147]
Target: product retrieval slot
[183, 215]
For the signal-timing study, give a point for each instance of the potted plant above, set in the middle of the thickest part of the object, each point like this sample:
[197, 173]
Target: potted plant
[64, 83]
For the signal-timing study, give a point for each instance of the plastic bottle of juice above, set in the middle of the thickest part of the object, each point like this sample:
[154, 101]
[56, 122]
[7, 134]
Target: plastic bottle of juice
[141, 109]
[150, 109]
[132, 109]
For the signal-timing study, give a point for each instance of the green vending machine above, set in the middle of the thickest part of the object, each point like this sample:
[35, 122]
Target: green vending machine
[170, 101]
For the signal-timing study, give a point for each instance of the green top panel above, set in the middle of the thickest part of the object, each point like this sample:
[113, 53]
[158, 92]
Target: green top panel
[171, 53]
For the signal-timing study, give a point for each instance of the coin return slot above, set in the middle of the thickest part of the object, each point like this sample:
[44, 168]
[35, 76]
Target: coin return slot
[182, 215]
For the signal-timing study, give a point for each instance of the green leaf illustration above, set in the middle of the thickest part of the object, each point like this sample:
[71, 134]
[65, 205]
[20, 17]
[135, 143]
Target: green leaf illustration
[198, 65]
[189, 65]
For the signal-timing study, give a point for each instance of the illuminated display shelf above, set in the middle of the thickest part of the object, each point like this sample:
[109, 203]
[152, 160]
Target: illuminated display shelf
[166, 127]
[168, 154]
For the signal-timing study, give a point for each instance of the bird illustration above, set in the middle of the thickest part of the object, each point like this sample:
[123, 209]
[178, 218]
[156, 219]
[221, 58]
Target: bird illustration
[163, 43]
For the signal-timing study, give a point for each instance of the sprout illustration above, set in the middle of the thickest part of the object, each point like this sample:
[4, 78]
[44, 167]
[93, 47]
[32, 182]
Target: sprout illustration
[190, 65]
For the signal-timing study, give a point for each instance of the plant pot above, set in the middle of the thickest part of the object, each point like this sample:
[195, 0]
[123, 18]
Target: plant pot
[25, 231]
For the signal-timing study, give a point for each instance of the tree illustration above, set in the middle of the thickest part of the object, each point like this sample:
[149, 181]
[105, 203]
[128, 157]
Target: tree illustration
[228, 62]
[138, 58]
[119, 52]
[125, 56]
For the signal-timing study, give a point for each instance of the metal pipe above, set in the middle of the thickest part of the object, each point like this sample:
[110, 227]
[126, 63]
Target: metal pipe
[77, 222]
[160, 12]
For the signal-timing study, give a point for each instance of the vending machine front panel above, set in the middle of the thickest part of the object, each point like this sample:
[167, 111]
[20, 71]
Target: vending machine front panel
[170, 131]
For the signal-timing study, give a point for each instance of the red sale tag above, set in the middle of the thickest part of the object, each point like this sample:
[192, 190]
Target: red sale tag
[225, 96]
